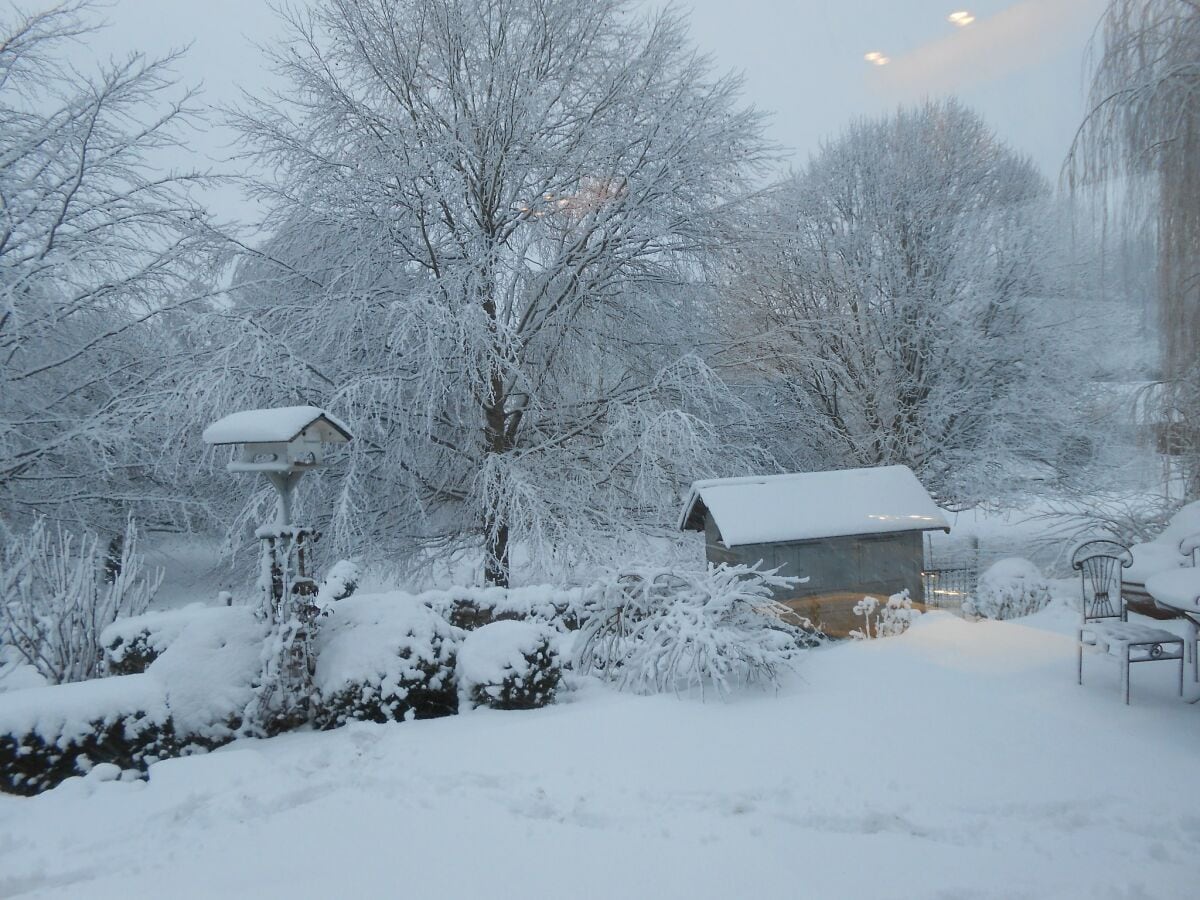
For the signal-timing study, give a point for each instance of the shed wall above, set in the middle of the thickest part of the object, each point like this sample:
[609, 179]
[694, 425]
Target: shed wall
[841, 570]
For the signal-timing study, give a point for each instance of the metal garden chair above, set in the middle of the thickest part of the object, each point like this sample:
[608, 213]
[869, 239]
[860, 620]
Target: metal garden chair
[1104, 623]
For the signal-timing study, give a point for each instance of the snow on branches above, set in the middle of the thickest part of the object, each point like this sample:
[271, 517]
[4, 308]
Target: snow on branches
[98, 251]
[58, 592]
[658, 630]
[489, 230]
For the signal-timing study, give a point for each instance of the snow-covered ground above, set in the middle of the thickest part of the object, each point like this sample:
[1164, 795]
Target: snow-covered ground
[957, 761]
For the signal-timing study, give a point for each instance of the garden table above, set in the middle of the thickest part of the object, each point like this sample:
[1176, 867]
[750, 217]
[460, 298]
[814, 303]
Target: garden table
[1178, 591]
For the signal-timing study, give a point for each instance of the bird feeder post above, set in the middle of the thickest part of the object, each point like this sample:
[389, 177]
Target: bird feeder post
[283, 444]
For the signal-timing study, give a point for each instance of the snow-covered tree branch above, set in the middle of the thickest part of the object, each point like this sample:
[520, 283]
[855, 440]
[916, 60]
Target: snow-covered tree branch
[98, 250]
[488, 219]
[895, 302]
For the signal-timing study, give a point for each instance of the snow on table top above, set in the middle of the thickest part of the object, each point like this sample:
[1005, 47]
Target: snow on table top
[1169, 550]
[267, 425]
[809, 505]
[1177, 587]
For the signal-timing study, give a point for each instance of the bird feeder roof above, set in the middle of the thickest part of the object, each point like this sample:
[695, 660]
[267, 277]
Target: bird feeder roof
[279, 425]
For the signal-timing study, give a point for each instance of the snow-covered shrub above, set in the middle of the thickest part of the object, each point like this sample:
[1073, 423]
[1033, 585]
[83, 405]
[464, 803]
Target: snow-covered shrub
[890, 619]
[340, 582]
[132, 643]
[51, 733]
[208, 673]
[384, 657]
[15, 673]
[1008, 589]
[472, 607]
[662, 630]
[59, 592]
[508, 665]
[865, 608]
[192, 697]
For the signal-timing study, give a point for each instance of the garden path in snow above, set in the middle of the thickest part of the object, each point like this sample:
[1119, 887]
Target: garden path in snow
[958, 761]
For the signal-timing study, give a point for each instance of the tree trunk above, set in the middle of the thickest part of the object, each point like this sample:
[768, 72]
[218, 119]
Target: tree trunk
[495, 526]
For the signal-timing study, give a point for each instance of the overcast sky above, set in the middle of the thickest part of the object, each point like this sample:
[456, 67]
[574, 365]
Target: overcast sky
[1019, 63]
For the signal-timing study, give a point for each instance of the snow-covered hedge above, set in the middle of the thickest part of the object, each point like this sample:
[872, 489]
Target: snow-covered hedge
[1008, 589]
[473, 607]
[191, 697]
[508, 665]
[132, 643]
[49, 734]
[672, 630]
[384, 657]
[208, 672]
[340, 582]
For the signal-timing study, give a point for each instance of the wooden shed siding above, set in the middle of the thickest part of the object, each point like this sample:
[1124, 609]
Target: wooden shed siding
[841, 570]
[888, 562]
[714, 548]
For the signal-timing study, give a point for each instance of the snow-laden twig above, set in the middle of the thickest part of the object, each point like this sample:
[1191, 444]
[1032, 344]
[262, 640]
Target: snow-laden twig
[653, 630]
[59, 591]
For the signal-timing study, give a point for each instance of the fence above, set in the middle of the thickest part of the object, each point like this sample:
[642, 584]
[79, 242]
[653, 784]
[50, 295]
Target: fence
[946, 588]
[951, 576]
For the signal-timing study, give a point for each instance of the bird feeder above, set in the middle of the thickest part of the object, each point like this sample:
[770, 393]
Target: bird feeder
[281, 443]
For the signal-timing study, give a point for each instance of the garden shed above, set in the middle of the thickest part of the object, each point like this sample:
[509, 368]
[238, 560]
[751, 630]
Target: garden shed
[851, 533]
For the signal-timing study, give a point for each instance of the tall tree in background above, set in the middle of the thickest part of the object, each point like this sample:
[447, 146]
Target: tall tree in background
[97, 250]
[896, 300]
[1140, 146]
[488, 218]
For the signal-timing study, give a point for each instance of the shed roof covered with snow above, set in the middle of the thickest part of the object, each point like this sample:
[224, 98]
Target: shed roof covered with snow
[279, 425]
[807, 506]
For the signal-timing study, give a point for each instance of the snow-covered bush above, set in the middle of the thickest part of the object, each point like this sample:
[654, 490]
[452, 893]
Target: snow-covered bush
[472, 607]
[15, 673]
[384, 657]
[132, 643]
[891, 619]
[51, 733]
[192, 697]
[59, 592]
[508, 665]
[1008, 589]
[340, 582]
[663, 630]
[208, 673]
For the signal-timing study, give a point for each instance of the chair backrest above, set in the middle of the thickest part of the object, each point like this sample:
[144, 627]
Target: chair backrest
[1099, 564]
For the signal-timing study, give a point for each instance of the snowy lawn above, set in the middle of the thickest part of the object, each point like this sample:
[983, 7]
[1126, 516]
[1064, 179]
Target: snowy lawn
[960, 760]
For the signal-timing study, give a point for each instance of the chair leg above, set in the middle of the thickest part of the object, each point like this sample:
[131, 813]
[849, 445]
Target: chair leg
[1126, 660]
[1193, 638]
[1079, 649]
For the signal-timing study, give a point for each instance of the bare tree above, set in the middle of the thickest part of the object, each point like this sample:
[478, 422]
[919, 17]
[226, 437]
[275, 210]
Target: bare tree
[488, 218]
[1139, 147]
[895, 300]
[59, 591]
[97, 249]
